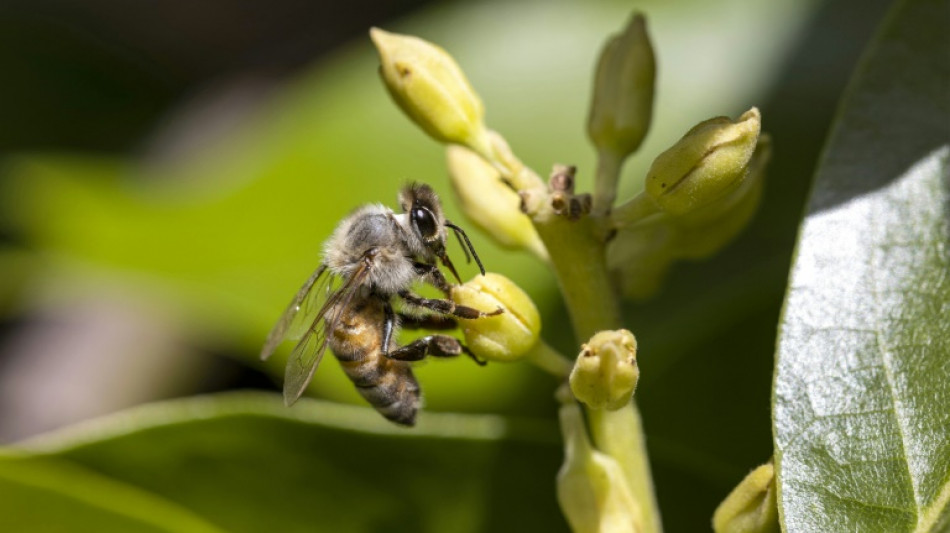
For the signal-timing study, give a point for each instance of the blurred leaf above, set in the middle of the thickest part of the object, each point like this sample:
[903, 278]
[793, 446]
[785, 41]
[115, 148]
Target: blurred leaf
[39, 494]
[244, 462]
[862, 400]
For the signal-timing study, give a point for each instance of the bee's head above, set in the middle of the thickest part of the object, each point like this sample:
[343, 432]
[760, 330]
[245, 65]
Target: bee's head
[428, 224]
[425, 215]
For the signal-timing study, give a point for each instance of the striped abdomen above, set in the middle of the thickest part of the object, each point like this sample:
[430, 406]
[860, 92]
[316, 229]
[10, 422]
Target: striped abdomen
[388, 385]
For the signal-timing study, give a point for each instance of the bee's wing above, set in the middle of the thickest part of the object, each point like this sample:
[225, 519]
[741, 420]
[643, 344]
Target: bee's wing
[309, 351]
[309, 299]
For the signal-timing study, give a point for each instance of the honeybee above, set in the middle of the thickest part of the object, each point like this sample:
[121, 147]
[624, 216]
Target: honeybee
[361, 294]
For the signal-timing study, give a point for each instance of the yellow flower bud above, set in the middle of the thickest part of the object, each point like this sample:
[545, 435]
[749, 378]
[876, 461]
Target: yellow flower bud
[431, 89]
[591, 488]
[709, 162]
[751, 506]
[622, 105]
[504, 337]
[489, 203]
[606, 373]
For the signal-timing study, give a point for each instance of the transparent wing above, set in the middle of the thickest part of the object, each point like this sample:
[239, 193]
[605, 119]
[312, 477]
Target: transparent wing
[308, 300]
[308, 353]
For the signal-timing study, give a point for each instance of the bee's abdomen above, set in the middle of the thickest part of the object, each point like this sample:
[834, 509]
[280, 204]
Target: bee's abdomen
[387, 385]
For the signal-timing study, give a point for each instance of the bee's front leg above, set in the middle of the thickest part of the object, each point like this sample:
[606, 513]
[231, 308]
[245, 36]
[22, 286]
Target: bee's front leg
[434, 276]
[434, 345]
[446, 307]
[427, 321]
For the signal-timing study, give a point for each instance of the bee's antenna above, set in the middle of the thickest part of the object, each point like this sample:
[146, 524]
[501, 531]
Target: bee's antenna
[460, 232]
[468, 256]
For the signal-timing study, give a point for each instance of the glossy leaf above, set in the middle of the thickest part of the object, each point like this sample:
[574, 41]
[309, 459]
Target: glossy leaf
[244, 462]
[862, 396]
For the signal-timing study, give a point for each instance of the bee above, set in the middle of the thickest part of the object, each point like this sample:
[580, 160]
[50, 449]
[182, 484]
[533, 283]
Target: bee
[361, 294]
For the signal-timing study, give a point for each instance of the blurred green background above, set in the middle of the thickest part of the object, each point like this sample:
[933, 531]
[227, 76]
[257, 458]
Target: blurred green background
[170, 171]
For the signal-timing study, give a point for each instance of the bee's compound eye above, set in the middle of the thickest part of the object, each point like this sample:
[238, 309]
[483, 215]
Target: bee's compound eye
[424, 222]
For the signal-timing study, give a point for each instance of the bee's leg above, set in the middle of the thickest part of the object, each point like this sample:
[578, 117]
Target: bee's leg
[389, 325]
[434, 345]
[446, 307]
[434, 276]
[436, 322]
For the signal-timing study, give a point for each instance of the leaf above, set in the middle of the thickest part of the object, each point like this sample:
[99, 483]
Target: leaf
[49, 495]
[244, 462]
[862, 396]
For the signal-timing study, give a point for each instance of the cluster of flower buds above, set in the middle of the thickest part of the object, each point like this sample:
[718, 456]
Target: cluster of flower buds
[697, 196]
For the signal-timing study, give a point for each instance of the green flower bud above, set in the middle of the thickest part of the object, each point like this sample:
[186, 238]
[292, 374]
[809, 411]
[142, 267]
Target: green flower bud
[705, 231]
[751, 506]
[640, 254]
[606, 373]
[431, 89]
[504, 337]
[622, 105]
[591, 488]
[708, 163]
[489, 203]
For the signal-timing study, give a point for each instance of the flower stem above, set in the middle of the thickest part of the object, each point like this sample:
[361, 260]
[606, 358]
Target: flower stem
[634, 210]
[550, 360]
[578, 258]
[605, 181]
[577, 251]
[579, 263]
[620, 434]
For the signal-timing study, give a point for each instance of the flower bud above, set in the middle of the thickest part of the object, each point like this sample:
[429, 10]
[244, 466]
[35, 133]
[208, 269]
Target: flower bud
[489, 203]
[751, 506]
[622, 104]
[504, 337]
[606, 373]
[641, 254]
[705, 231]
[591, 488]
[431, 89]
[708, 163]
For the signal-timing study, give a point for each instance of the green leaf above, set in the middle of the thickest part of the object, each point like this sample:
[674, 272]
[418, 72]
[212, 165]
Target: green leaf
[862, 396]
[244, 462]
[40, 494]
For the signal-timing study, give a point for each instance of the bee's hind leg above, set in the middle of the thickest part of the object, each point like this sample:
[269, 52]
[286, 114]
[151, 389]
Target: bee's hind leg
[434, 345]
